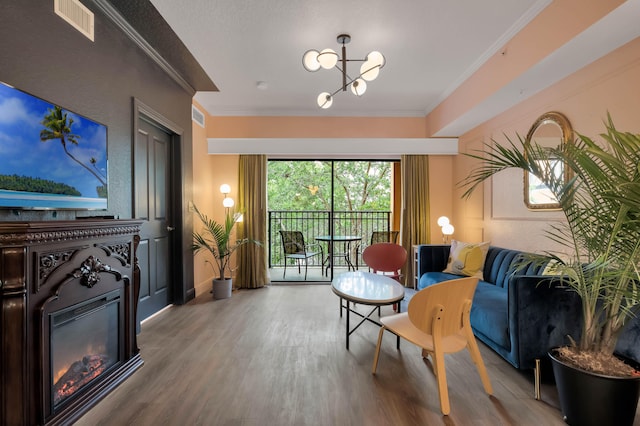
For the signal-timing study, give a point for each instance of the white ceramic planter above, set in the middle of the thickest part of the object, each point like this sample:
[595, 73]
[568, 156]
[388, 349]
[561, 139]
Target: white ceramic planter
[222, 288]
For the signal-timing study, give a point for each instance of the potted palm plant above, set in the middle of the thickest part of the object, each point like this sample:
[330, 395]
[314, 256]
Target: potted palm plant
[215, 238]
[599, 258]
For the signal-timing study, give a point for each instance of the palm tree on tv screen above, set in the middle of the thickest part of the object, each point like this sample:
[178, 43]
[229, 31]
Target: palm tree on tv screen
[58, 126]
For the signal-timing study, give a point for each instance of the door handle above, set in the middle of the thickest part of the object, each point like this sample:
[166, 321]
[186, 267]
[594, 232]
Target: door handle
[170, 228]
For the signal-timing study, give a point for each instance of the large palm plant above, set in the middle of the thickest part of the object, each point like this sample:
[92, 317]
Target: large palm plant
[601, 234]
[215, 238]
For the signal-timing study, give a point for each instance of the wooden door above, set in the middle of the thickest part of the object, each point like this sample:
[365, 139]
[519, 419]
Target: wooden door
[152, 166]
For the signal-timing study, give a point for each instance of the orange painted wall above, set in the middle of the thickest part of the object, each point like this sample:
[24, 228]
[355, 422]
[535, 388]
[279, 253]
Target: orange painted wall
[316, 127]
[611, 84]
[440, 194]
[553, 27]
[209, 172]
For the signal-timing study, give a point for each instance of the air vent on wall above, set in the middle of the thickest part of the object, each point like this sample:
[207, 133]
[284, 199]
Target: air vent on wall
[76, 14]
[197, 116]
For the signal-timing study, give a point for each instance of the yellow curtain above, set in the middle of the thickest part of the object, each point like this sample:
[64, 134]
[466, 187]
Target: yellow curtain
[252, 200]
[414, 220]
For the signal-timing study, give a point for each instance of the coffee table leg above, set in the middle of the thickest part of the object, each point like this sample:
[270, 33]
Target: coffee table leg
[347, 333]
[398, 337]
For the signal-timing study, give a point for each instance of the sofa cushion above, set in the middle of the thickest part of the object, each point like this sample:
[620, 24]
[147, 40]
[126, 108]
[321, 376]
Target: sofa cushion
[467, 259]
[489, 313]
[430, 278]
[501, 264]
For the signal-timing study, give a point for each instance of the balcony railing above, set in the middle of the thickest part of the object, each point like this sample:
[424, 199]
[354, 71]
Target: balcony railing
[317, 223]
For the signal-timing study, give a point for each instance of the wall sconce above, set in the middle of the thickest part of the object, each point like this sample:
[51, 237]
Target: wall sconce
[446, 227]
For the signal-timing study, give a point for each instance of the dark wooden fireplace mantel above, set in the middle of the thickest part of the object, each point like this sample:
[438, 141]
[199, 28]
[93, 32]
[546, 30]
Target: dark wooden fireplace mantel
[48, 266]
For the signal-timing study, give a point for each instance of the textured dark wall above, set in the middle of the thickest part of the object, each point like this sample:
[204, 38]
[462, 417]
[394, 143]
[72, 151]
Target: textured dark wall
[43, 55]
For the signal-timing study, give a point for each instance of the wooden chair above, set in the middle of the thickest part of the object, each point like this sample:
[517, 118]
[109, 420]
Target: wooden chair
[295, 248]
[438, 321]
[385, 258]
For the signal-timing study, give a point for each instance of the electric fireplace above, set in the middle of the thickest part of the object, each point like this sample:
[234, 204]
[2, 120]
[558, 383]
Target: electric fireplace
[68, 300]
[84, 345]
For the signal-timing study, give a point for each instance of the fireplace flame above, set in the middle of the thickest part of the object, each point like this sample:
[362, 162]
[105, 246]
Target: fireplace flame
[79, 374]
[65, 361]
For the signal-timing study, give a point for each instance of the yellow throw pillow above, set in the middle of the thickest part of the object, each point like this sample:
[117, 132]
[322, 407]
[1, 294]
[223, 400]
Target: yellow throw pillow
[467, 259]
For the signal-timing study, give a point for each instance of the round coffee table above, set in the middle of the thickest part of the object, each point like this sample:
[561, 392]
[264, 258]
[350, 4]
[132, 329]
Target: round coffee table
[366, 289]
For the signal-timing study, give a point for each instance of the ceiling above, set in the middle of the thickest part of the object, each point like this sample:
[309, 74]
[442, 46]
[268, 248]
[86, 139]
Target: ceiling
[430, 46]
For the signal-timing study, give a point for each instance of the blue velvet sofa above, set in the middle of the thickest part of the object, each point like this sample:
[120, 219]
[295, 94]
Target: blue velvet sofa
[519, 314]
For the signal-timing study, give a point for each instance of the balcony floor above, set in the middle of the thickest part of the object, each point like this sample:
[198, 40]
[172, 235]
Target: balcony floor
[315, 274]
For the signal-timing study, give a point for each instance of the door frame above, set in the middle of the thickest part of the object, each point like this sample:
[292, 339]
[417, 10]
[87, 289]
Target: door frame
[182, 289]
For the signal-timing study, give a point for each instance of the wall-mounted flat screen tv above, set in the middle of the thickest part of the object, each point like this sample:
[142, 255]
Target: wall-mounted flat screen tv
[50, 157]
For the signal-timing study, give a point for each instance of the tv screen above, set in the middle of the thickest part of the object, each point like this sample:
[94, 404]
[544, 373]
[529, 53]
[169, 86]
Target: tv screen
[50, 157]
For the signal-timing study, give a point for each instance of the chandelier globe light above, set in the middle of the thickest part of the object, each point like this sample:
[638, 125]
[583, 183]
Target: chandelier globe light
[313, 60]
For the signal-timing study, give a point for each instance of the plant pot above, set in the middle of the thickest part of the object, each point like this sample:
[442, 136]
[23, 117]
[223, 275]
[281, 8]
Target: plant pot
[594, 399]
[222, 288]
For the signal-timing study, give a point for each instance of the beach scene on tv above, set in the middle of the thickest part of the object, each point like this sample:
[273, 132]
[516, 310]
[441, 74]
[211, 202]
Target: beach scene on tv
[50, 158]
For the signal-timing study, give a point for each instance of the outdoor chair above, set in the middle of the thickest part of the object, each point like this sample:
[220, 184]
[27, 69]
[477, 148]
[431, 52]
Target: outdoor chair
[295, 248]
[438, 321]
[384, 237]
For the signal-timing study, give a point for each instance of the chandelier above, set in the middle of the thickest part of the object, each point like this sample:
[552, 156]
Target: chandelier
[312, 60]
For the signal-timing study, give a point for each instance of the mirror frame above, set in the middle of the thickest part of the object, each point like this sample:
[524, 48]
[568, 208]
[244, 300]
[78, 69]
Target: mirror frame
[563, 123]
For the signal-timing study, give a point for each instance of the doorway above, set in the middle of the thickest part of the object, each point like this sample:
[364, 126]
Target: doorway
[336, 204]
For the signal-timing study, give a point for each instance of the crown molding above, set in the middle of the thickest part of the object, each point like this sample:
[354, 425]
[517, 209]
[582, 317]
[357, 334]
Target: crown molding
[110, 12]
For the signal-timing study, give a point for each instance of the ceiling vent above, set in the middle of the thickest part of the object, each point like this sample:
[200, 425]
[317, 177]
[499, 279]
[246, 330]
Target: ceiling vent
[197, 115]
[76, 14]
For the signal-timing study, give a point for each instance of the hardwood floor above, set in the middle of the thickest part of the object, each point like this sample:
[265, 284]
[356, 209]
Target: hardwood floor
[276, 356]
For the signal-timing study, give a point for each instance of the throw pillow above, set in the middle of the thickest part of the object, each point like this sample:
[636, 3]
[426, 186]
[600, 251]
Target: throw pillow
[467, 259]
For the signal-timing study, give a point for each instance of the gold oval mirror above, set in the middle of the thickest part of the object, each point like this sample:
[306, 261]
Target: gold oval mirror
[551, 129]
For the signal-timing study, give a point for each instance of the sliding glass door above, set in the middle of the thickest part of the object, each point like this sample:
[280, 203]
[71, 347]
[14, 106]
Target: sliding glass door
[336, 205]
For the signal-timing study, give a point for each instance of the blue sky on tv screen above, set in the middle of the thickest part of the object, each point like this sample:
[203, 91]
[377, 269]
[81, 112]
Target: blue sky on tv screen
[22, 153]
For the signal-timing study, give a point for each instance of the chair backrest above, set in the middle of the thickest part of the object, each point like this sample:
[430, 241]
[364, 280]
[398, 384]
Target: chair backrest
[384, 237]
[292, 242]
[453, 296]
[385, 257]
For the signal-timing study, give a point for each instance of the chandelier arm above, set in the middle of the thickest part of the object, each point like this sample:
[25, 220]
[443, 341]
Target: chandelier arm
[343, 72]
[351, 80]
[369, 69]
[336, 92]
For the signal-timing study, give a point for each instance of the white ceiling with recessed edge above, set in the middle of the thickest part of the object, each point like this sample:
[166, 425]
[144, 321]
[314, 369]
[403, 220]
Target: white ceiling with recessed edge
[430, 47]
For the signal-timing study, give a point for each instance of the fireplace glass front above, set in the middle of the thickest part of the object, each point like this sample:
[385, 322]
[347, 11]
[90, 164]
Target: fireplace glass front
[84, 345]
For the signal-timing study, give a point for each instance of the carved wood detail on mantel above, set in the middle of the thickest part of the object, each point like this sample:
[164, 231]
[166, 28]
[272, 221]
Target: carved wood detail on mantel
[89, 271]
[122, 252]
[50, 261]
[25, 234]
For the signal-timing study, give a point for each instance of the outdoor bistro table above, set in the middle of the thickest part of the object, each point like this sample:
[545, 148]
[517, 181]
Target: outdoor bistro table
[367, 289]
[346, 239]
